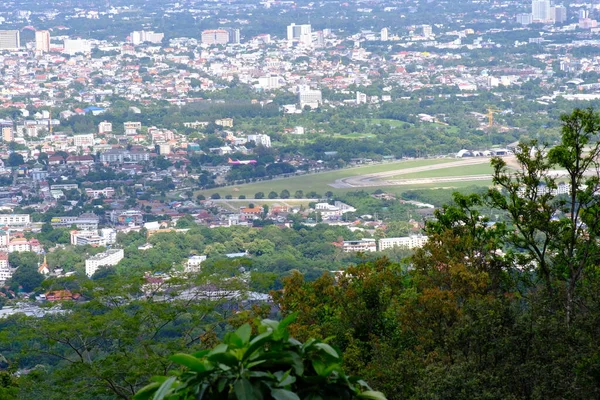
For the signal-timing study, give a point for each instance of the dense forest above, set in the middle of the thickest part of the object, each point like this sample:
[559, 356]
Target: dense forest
[501, 303]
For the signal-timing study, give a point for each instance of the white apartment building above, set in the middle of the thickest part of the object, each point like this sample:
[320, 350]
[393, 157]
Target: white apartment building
[108, 258]
[132, 128]
[10, 40]
[328, 211]
[193, 263]
[42, 41]
[5, 270]
[363, 245]
[260, 140]
[407, 242]
[85, 140]
[310, 97]
[104, 127]
[139, 37]
[299, 33]
[75, 46]
[107, 192]
[15, 220]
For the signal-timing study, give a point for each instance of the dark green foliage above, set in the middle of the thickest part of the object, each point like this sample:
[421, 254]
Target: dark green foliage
[269, 365]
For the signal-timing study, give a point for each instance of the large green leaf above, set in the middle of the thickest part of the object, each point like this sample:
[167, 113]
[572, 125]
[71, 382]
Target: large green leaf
[164, 389]
[189, 361]
[372, 395]
[147, 391]
[327, 349]
[244, 332]
[224, 358]
[257, 343]
[282, 394]
[243, 389]
[220, 348]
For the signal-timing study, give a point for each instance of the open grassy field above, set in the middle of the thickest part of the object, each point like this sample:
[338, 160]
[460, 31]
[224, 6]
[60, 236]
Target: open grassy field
[319, 182]
[481, 169]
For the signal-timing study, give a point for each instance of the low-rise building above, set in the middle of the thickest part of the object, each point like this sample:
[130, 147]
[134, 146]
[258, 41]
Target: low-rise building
[193, 263]
[407, 242]
[15, 220]
[362, 245]
[108, 258]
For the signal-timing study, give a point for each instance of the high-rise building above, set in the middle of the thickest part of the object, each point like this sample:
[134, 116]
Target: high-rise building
[8, 134]
[540, 10]
[215, 36]
[559, 14]
[234, 35]
[427, 30]
[42, 41]
[524, 19]
[299, 33]
[384, 35]
[139, 37]
[10, 40]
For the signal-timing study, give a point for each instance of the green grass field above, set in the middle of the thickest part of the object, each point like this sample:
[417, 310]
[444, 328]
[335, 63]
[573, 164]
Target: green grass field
[482, 169]
[320, 182]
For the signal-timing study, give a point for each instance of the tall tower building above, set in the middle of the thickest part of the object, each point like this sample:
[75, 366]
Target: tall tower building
[540, 11]
[42, 41]
[427, 31]
[559, 14]
[10, 40]
[384, 35]
[299, 33]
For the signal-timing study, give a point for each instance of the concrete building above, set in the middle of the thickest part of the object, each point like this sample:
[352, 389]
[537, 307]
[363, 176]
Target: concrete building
[86, 221]
[85, 140]
[104, 127]
[42, 41]
[260, 140]
[234, 35]
[524, 19]
[10, 40]
[215, 36]
[8, 134]
[108, 258]
[310, 97]
[301, 34]
[363, 245]
[407, 242]
[384, 35]
[427, 30]
[193, 263]
[131, 127]
[107, 192]
[5, 269]
[559, 14]
[540, 11]
[82, 238]
[15, 220]
[139, 37]
[225, 122]
[77, 46]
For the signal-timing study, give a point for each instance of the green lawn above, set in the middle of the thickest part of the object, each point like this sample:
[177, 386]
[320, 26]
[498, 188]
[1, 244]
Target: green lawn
[479, 169]
[320, 182]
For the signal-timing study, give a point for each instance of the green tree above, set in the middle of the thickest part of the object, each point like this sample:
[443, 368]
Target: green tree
[285, 194]
[272, 195]
[559, 233]
[15, 159]
[259, 195]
